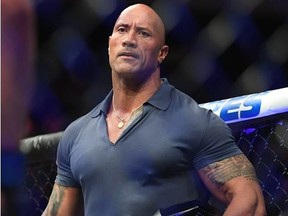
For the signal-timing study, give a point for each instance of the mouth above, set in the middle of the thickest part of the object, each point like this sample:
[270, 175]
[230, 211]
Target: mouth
[127, 54]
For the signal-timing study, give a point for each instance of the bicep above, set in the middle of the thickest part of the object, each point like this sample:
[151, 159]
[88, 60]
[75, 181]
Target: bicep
[224, 177]
[64, 201]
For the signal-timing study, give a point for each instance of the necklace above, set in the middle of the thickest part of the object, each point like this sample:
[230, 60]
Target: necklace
[122, 120]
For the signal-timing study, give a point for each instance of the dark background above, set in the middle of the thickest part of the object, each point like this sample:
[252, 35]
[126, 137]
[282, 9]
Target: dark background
[218, 49]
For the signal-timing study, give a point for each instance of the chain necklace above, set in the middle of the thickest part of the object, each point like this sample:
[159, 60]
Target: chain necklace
[122, 122]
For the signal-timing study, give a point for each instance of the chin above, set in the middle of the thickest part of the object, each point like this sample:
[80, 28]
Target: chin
[125, 69]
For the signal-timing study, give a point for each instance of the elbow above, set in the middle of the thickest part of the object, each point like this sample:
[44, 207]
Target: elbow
[260, 208]
[245, 204]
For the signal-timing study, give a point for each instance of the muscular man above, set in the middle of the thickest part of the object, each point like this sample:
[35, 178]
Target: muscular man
[144, 146]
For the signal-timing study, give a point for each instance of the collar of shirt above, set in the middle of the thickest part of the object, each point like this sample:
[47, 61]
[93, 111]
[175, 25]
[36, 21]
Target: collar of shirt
[161, 99]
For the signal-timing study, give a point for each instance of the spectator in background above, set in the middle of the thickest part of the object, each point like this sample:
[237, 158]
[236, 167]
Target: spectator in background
[145, 146]
[17, 78]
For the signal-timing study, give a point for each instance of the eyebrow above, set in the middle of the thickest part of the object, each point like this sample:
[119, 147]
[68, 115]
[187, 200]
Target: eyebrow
[137, 27]
[121, 24]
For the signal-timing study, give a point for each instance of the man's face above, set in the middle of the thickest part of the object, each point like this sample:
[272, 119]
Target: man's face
[136, 42]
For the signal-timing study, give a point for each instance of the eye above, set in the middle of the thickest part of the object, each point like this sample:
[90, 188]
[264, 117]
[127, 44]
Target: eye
[144, 33]
[121, 29]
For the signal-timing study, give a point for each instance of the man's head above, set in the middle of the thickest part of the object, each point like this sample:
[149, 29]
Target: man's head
[137, 44]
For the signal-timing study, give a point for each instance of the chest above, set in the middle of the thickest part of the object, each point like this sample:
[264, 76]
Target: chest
[148, 149]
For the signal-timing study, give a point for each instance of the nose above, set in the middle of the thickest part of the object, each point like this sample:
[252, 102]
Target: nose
[130, 40]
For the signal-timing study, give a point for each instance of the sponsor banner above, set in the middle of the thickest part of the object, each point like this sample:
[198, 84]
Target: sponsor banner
[250, 106]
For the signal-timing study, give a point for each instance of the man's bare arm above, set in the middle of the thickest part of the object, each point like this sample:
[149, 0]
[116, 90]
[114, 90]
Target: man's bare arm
[233, 181]
[64, 201]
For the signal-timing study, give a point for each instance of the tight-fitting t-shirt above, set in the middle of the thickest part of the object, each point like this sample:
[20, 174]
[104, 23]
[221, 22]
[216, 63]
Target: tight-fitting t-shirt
[152, 165]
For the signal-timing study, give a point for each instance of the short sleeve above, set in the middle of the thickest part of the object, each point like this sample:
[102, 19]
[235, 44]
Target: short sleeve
[217, 142]
[64, 173]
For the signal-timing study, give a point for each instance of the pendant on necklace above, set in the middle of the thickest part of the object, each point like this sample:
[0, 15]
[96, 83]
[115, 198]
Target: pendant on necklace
[120, 124]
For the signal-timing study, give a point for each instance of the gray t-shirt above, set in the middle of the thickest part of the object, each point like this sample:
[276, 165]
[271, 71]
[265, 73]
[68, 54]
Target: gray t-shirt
[152, 165]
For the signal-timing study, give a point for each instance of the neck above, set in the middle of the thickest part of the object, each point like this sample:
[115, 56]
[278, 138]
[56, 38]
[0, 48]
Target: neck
[129, 96]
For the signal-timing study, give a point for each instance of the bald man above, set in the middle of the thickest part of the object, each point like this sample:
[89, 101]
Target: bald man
[146, 145]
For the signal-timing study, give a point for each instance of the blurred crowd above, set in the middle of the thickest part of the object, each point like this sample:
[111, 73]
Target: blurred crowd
[221, 49]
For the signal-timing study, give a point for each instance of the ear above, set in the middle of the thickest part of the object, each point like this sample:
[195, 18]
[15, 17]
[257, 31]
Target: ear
[163, 53]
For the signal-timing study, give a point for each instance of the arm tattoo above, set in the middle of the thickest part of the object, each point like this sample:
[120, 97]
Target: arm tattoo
[56, 198]
[222, 171]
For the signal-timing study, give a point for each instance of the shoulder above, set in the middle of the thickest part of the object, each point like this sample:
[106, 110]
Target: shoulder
[188, 106]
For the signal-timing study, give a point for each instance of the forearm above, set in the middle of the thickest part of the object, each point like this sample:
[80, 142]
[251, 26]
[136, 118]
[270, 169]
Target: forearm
[245, 206]
[246, 199]
[64, 201]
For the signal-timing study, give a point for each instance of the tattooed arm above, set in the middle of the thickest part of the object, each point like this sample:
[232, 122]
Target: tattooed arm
[233, 181]
[64, 201]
